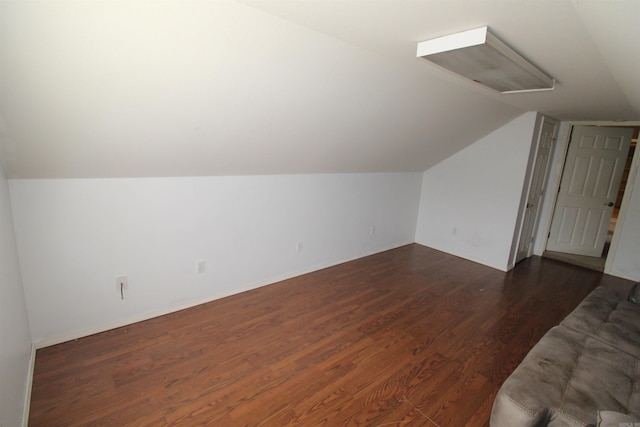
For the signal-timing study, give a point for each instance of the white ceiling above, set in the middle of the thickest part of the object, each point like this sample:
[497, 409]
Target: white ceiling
[181, 88]
[589, 46]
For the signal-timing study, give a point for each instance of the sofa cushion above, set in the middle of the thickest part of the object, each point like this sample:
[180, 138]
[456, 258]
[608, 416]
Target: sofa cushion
[565, 379]
[606, 316]
[634, 294]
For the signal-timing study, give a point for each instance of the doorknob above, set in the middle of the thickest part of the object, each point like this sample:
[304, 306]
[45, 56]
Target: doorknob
[610, 204]
[529, 205]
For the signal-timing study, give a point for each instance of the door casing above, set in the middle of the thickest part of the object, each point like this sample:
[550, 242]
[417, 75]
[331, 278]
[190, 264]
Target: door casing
[553, 185]
[590, 182]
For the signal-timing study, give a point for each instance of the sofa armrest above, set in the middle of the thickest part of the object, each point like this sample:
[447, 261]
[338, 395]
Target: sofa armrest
[564, 380]
[615, 419]
[634, 294]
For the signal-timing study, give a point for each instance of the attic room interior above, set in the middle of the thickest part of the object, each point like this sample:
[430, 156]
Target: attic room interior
[270, 212]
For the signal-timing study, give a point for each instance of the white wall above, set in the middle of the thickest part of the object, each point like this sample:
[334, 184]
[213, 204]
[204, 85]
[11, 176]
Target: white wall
[625, 247]
[470, 201]
[113, 89]
[15, 338]
[75, 236]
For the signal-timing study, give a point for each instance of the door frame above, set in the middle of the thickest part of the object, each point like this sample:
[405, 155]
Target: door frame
[532, 165]
[553, 186]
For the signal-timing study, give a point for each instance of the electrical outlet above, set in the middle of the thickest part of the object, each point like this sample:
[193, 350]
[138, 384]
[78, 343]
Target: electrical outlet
[372, 231]
[299, 247]
[201, 266]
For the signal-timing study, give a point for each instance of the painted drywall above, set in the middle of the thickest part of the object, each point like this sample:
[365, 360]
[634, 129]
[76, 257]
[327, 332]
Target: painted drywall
[75, 236]
[470, 202]
[99, 89]
[15, 337]
[626, 256]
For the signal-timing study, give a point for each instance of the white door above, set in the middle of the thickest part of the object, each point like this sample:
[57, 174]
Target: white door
[588, 189]
[536, 189]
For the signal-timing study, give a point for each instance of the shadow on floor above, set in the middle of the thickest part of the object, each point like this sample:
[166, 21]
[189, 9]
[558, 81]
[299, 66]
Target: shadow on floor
[590, 262]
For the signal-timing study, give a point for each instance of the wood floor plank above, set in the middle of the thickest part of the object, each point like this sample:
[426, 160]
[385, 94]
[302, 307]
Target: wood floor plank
[408, 337]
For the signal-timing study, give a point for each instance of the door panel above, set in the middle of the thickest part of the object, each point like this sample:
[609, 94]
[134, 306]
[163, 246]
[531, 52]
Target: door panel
[595, 220]
[588, 190]
[568, 223]
[536, 190]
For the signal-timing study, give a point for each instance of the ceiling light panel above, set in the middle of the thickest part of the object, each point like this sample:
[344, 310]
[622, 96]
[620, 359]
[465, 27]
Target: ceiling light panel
[480, 56]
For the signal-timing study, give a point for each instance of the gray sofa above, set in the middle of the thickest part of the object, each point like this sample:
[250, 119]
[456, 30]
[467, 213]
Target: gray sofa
[584, 372]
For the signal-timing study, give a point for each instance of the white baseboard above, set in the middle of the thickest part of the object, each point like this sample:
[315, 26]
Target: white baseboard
[27, 394]
[73, 335]
[456, 253]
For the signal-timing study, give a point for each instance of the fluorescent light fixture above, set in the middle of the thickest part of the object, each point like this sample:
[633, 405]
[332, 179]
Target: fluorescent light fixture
[478, 55]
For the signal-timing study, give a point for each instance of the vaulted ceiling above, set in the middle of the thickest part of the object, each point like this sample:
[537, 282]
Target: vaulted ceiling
[182, 88]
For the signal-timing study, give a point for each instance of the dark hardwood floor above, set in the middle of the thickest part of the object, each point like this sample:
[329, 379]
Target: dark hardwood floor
[408, 337]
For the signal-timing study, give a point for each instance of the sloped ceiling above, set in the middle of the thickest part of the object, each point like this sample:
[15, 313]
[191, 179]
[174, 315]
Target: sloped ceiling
[182, 88]
[588, 46]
